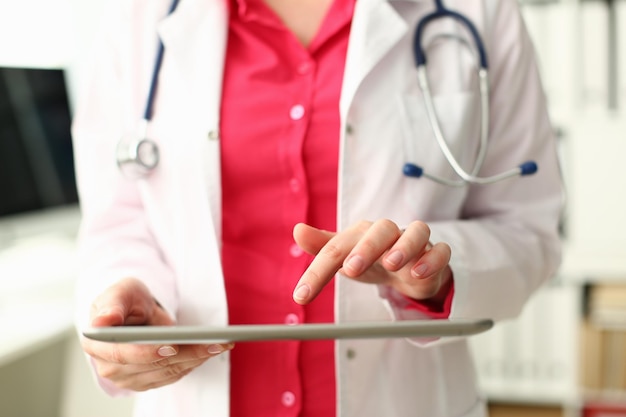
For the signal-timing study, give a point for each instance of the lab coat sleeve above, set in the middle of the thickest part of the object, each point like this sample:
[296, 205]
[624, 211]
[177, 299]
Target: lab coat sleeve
[507, 244]
[115, 239]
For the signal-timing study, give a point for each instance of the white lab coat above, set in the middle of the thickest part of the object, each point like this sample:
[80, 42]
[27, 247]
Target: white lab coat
[165, 230]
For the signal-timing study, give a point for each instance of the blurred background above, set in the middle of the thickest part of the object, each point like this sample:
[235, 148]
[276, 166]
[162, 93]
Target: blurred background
[566, 354]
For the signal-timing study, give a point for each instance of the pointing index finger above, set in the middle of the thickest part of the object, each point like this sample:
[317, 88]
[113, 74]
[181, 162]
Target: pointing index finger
[324, 267]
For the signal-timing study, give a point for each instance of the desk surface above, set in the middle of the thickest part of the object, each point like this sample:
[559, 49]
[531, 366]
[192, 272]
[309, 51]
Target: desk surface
[32, 327]
[36, 294]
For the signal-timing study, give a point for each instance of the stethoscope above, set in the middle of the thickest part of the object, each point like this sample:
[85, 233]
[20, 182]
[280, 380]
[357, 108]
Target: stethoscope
[138, 156]
[413, 170]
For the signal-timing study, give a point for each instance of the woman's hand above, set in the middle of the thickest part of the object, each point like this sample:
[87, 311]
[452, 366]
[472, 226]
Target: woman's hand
[377, 253]
[140, 367]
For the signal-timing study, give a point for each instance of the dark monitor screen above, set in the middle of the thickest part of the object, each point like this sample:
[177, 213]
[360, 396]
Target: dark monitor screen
[36, 158]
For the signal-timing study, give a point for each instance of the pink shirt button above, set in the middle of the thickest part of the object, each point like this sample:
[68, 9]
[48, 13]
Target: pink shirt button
[305, 68]
[296, 112]
[291, 319]
[295, 251]
[288, 399]
[294, 184]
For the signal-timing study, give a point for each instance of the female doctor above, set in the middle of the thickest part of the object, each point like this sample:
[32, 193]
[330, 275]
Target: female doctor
[279, 196]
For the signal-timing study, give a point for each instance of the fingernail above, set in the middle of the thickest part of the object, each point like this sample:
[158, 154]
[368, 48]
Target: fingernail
[302, 292]
[355, 263]
[395, 258]
[420, 270]
[215, 349]
[166, 351]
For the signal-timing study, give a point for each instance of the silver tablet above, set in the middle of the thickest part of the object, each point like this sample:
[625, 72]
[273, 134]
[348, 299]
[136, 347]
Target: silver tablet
[241, 333]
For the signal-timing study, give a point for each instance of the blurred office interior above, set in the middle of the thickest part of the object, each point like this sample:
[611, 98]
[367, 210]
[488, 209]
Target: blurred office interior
[566, 354]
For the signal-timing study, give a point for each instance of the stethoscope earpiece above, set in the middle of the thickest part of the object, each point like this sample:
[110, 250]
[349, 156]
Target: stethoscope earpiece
[528, 168]
[412, 170]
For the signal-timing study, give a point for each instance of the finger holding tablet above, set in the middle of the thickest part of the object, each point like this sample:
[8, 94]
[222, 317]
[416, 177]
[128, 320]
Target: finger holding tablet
[140, 367]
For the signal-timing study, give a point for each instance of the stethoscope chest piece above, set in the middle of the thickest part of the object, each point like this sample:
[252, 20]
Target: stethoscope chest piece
[137, 157]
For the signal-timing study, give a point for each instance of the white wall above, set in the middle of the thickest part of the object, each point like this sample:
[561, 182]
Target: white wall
[86, 19]
[49, 33]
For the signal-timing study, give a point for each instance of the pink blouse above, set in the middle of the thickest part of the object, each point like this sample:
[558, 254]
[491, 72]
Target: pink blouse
[280, 136]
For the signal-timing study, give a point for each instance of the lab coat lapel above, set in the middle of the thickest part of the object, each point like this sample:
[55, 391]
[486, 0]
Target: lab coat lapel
[376, 28]
[194, 37]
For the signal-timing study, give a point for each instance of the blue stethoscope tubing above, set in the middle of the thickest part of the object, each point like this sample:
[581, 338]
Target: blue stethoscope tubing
[138, 156]
[413, 170]
[154, 79]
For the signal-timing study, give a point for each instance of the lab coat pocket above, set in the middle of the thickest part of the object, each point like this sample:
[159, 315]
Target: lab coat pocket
[458, 115]
[459, 118]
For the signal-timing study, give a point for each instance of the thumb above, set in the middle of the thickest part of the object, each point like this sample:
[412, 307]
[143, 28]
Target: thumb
[159, 316]
[126, 303]
[108, 315]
